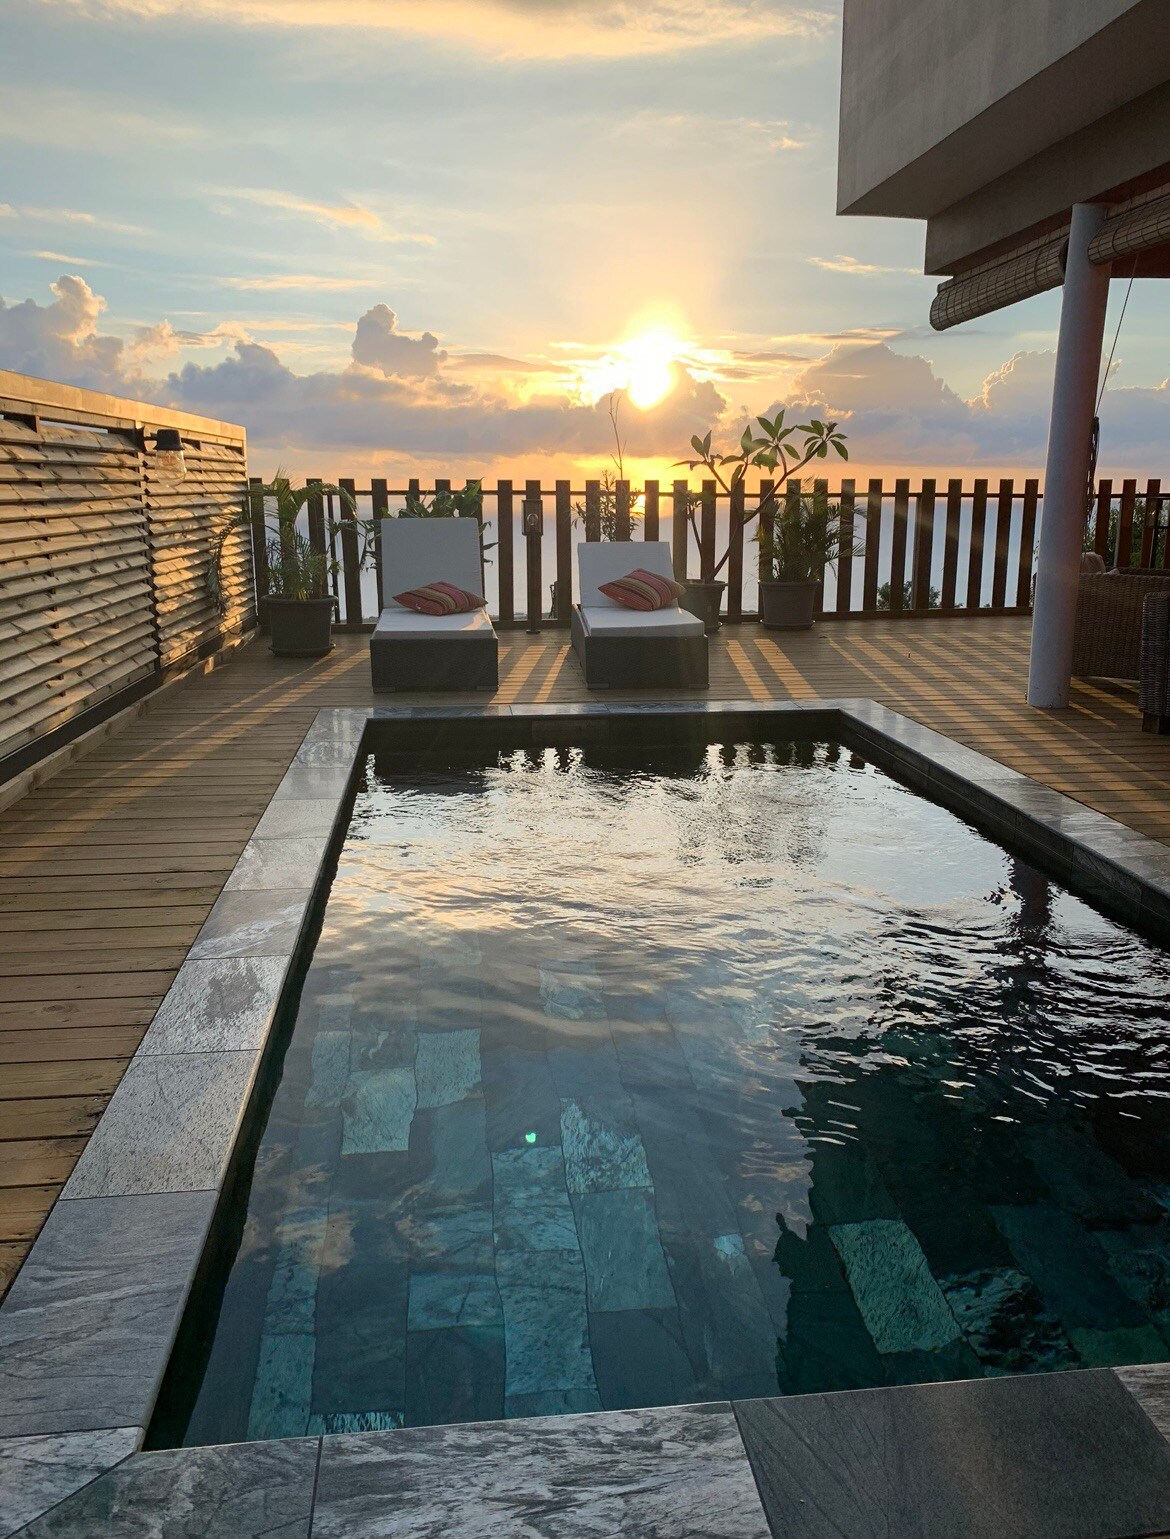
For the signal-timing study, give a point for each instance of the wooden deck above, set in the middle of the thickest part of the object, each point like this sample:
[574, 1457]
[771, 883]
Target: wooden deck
[108, 871]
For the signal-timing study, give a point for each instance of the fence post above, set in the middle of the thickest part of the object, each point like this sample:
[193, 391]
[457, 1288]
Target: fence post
[820, 490]
[923, 546]
[974, 595]
[1027, 544]
[380, 508]
[707, 532]
[950, 571]
[1101, 532]
[350, 557]
[767, 527]
[621, 496]
[534, 503]
[1125, 524]
[680, 530]
[1003, 531]
[735, 509]
[650, 514]
[259, 558]
[316, 515]
[845, 558]
[898, 546]
[504, 553]
[1150, 522]
[564, 552]
[874, 503]
[592, 511]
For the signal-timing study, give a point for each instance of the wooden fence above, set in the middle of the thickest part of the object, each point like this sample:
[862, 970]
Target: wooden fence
[103, 561]
[931, 549]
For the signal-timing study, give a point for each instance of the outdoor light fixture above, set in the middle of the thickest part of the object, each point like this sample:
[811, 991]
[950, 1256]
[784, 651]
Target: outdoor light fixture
[168, 455]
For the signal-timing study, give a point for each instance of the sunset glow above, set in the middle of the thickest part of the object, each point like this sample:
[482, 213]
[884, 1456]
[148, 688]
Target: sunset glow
[651, 359]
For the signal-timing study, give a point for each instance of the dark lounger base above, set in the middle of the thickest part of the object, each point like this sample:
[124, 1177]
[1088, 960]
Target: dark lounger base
[470, 663]
[637, 662]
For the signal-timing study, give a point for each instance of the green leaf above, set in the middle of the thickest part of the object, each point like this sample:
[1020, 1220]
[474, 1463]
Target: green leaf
[696, 444]
[842, 450]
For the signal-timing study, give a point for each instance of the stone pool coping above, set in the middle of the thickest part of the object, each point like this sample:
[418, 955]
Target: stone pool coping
[89, 1324]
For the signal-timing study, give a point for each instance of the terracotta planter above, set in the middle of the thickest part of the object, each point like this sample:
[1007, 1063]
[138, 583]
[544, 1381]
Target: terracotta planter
[787, 606]
[705, 600]
[300, 627]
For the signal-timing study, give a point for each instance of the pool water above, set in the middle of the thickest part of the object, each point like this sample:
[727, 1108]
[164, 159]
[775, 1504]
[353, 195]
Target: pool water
[623, 1081]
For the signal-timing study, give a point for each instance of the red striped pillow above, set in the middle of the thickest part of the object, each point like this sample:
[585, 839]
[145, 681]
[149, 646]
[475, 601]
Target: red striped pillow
[644, 590]
[440, 598]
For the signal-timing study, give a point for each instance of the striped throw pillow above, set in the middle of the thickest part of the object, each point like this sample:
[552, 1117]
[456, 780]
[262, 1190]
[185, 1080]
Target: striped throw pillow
[440, 598]
[644, 590]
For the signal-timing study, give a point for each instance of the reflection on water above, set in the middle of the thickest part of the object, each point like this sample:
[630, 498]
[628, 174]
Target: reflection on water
[626, 1081]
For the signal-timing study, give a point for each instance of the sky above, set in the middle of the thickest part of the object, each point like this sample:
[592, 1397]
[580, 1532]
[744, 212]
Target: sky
[431, 237]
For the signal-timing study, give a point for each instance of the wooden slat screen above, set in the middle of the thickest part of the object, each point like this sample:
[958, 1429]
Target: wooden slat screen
[103, 565]
[184, 518]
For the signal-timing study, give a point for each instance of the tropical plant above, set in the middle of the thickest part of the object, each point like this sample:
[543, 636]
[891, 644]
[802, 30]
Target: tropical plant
[295, 569]
[774, 450]
[802, 539]
[301, 571]
[933, 597]
[1145, 513]
[608, 516]
[457, 502]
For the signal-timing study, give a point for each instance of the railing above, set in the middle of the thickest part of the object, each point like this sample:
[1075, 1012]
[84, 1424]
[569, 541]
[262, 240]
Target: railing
[103, 560]
[932, 549]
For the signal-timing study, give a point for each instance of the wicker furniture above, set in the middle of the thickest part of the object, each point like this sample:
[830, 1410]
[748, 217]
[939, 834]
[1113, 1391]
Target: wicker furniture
[1154, 678]
[1108, 637]
[623, 648]
[413, 651]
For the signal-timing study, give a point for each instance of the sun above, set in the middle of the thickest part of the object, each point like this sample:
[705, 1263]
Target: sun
[650, 359]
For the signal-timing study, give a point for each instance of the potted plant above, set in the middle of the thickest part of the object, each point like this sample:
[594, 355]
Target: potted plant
[298, 605]
[454, 502]
[772, 451]
[804, 539]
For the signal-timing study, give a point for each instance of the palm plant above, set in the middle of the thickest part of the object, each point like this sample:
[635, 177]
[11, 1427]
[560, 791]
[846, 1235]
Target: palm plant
[295, 569]
[803, 539]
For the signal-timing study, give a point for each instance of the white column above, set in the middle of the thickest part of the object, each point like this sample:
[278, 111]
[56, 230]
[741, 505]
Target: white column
[1066, 479]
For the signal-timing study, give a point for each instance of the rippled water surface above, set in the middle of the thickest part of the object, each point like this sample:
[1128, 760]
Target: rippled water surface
[622, 1081]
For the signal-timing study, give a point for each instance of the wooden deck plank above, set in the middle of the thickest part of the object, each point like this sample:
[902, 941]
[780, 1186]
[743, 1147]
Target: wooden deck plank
[109, 869]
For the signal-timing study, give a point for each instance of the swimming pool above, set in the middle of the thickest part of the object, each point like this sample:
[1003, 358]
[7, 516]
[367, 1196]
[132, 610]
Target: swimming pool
[654, 1077]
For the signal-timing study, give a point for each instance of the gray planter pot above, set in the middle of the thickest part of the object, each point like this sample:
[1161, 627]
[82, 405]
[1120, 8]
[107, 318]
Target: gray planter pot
[300, 627]
[705, 600]
[787, 606]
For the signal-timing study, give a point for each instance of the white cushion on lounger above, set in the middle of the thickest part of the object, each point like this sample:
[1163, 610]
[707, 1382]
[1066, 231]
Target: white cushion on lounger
[605, 560]
[418, 551]
[403, 623]
[619, 621]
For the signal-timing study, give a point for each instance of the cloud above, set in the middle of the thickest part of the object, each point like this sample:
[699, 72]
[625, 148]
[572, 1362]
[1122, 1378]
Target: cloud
[378, 344]
[499, 363]
[851, 265]
[61, 340]
[516, 28]
[151, 344]
[344, 215]
[274, 282]
[400, 395]
[7, 211]
[69, 261]
[75, 216]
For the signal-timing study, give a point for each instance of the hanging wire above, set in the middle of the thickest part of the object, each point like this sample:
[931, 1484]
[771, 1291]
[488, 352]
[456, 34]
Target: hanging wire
[1095, 432]
[1117, 333]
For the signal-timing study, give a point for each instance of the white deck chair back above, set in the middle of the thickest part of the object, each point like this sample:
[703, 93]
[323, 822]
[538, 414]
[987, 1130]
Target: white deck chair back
[417, 551]
[605, 560]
